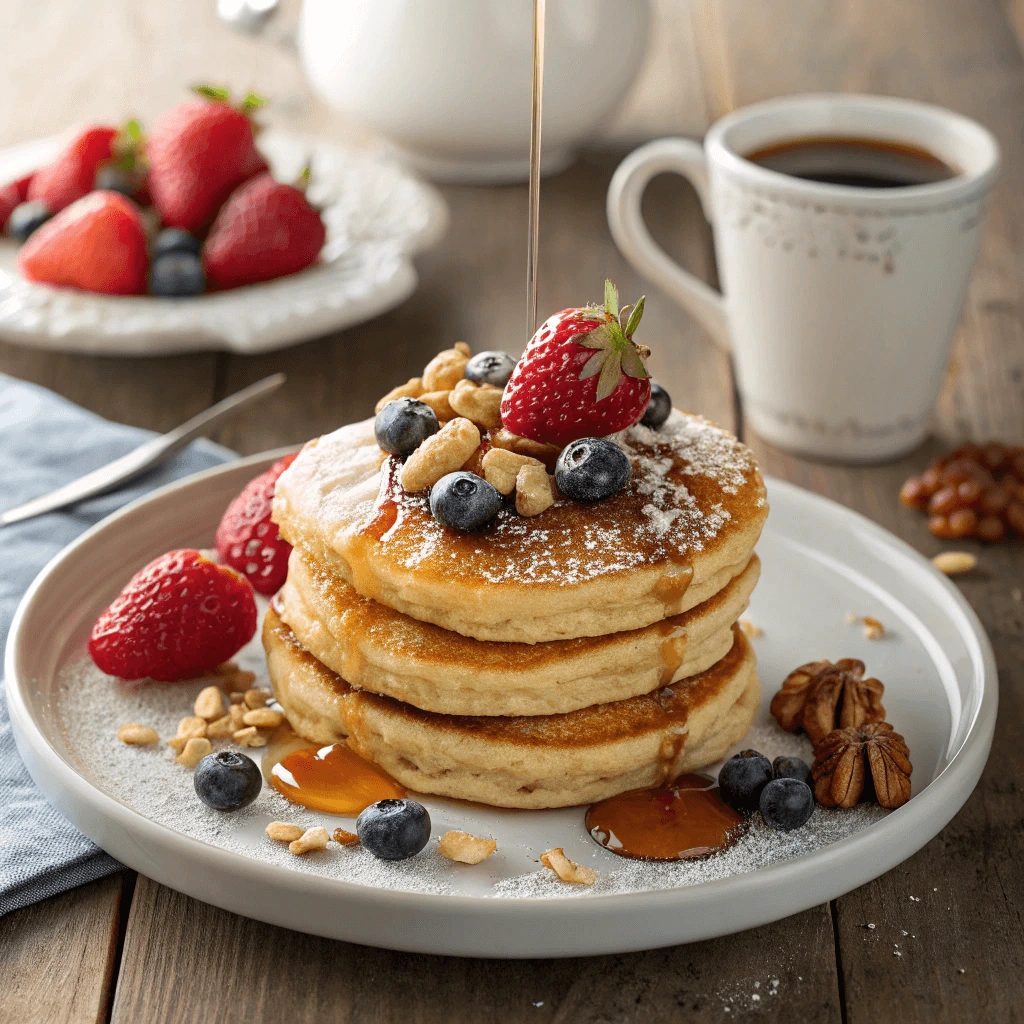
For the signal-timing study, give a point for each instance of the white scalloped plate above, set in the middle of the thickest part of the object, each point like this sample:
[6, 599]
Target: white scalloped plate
[820, 561]
[377, 216]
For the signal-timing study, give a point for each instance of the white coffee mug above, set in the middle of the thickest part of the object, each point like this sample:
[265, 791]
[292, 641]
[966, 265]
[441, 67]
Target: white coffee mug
[838, 303]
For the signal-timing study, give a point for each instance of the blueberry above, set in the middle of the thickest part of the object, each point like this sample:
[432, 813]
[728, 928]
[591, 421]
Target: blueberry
[111, 178]
[394, 829]
[175, 240]
[464, 501]
[791, 768]
[227, 781]
[403, 425]
[743, 777]
[592, 469]
[786, 804]
[490, 368]
[26, 217]
[658, 408]
[177, 275]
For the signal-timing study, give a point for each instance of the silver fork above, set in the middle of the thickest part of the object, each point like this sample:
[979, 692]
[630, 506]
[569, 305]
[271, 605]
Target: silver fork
[109, 477]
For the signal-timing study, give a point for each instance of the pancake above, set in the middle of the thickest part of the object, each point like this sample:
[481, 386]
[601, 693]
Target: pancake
[681, 529]
[376, 648]
[527, 762]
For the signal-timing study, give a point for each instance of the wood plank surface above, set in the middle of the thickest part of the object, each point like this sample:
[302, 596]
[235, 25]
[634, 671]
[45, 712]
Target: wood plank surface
[57, 957]
[242, 972]
[948, 942]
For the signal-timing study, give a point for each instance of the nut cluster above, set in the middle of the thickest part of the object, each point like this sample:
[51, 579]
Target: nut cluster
[471, 437]
[974, 491]
[856, 752]
[234, 709]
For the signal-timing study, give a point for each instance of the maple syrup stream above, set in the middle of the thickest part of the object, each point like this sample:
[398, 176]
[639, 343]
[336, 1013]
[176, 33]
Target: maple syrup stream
[533, 226]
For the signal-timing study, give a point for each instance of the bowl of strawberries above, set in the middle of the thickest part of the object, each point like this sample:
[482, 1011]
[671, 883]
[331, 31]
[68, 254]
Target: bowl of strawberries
[204, 232]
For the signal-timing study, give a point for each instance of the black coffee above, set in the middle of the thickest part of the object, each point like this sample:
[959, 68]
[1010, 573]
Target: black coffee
[863, 163]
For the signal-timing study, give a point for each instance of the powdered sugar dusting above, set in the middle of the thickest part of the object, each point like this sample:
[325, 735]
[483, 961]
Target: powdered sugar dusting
[93, 705]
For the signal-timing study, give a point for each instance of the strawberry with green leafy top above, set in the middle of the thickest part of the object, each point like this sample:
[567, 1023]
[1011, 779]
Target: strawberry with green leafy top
[582, 375]
[199, 152]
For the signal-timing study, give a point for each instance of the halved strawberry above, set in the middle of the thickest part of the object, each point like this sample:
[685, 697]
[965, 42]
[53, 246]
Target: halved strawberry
[248, 541]
[97, 244]
[179, 617]
[581, 375]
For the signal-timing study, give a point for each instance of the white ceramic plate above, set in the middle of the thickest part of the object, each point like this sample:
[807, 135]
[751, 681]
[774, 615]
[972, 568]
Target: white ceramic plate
[377, 216]
[821, 561]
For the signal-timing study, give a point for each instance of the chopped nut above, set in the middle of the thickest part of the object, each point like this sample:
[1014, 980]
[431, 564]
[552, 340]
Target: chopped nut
[439, 402]
[209, 704]
[501, 467]
[441, 453]
[873, 629]
[445, 370]
[221, 728]
[474, 464]
[412, 388]
[256, 698]
[465, 848]
[195, 750]
[567, 870]
[136, 735]
[228, 668]
[750, 629]
[237, 713]
[952, 563]
[344, 838]
[312, 839]
[463, 347]
[263, 718]
[188, 728]
[546, 453]
[239, 682]
[533, 491]
[249, 737]
[480, 403]
[282, 832]
[237, 698]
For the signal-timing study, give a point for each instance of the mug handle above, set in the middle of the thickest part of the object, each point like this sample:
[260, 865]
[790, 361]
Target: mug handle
[626, 221]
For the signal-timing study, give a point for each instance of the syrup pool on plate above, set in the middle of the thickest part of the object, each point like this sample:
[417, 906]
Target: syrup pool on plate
[681, 821]
[332, 778]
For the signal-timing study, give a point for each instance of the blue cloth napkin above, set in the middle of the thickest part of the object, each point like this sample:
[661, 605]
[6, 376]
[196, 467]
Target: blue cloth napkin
[45, 441]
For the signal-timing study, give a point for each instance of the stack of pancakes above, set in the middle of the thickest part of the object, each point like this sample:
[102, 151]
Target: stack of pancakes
[543, 662]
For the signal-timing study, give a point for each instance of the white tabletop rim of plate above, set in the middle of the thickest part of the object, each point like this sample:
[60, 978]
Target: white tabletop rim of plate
[936, 804]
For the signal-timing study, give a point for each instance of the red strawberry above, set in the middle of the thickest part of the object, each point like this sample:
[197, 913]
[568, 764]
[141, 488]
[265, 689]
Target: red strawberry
[198, 152]
[71, 175]
[265, 230]
[580, 376]
[248, 541]
[180, 616]
[97, 244]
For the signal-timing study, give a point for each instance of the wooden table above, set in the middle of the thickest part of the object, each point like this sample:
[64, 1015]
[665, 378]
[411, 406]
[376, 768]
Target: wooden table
[129, 950]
